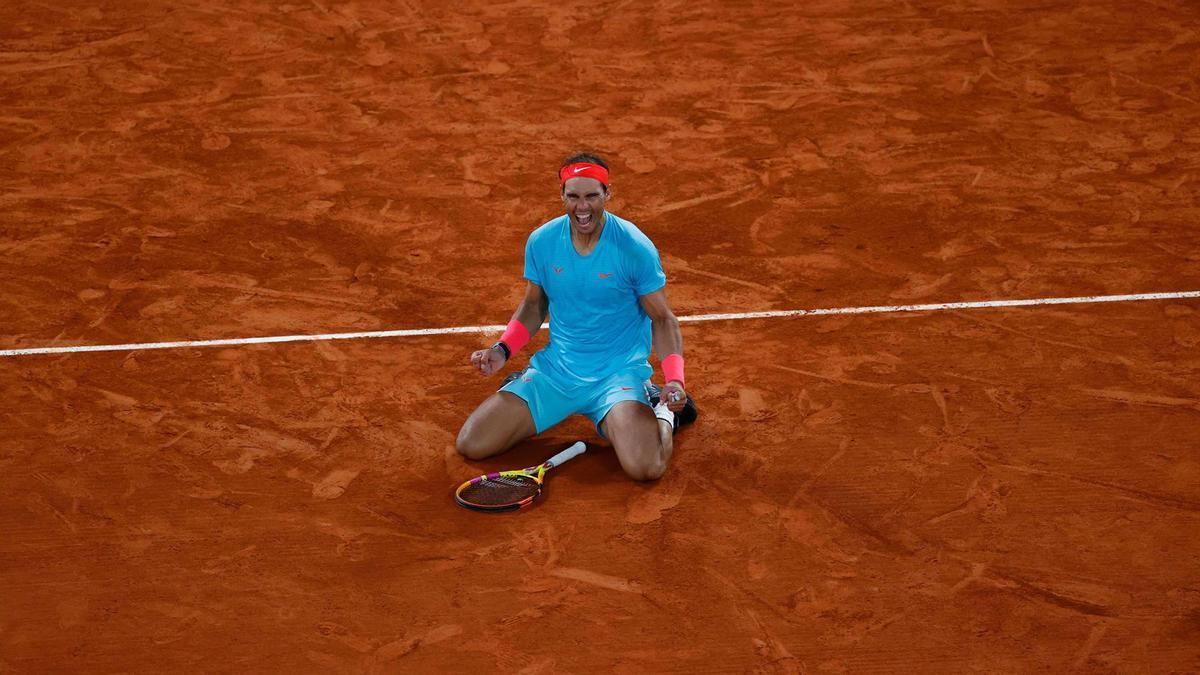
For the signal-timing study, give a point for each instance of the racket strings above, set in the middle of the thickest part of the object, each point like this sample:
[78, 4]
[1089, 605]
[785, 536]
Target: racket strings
[500, 490]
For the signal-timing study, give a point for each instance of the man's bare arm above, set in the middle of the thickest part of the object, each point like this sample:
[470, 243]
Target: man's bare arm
[532, 310]
[668, 339]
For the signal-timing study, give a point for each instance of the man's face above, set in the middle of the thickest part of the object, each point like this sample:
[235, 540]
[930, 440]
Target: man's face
[585, 199]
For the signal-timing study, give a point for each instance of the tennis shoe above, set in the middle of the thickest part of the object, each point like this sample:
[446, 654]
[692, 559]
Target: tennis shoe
[682, 418]
[511, 377]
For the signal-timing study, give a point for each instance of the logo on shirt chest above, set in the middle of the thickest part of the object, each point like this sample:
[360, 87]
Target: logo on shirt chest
[578, 277]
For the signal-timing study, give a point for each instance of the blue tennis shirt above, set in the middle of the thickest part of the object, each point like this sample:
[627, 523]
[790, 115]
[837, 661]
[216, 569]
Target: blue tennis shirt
[597, 325]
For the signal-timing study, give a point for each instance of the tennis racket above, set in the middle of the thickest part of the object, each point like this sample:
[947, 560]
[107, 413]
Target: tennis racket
[511, 490]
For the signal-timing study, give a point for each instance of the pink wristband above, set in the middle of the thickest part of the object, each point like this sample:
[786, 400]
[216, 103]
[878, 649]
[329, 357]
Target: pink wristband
[516, 335]
[672, 368]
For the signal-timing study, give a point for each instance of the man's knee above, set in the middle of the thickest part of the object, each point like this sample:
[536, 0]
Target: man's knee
[494, 426]
[469, 445]
[645, 465]
[647, 472]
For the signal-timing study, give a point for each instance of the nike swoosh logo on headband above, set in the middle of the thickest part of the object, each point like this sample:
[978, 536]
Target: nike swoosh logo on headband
[580, 168]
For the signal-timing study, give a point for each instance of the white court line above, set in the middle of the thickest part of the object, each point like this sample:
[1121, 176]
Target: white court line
[881, 309]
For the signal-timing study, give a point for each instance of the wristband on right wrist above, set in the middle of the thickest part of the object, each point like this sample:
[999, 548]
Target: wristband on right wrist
[516, 335]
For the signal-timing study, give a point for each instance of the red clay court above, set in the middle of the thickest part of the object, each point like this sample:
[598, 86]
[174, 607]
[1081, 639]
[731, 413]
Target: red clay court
[980, 489]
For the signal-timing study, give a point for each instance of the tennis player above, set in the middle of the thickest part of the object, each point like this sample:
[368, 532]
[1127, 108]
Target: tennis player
[601, 281]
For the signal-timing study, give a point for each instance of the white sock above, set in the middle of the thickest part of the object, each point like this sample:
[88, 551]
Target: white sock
[663, 413]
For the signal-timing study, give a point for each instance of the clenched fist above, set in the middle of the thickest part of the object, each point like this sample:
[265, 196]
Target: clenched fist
[489, 360]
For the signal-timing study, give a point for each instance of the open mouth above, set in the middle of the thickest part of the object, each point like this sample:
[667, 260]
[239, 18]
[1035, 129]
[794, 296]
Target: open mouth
[583, 218]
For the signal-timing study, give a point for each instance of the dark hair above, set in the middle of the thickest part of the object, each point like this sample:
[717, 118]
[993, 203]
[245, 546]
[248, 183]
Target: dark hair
[585, 157]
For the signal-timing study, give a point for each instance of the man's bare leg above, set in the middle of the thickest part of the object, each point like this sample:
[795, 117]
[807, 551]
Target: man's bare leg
[643, 442]
[497, 424]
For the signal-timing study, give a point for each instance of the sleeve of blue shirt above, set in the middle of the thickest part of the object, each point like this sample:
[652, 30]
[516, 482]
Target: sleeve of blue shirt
[532, 269]
[648, 273]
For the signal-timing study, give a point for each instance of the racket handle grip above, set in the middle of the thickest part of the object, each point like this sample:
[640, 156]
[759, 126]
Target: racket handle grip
[577, 449]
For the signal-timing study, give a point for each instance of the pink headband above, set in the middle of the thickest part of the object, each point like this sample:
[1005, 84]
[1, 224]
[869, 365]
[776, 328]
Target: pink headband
[583, 170]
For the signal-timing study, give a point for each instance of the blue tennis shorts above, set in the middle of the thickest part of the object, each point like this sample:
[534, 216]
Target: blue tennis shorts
[550, 402]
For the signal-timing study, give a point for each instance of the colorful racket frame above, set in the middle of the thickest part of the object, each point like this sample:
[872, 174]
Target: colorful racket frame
[538, 473]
